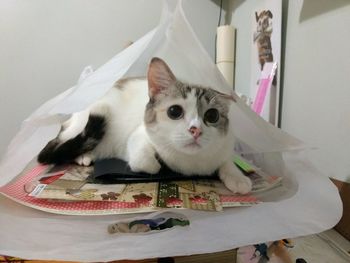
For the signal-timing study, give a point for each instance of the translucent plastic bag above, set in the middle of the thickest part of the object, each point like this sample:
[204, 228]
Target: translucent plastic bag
[307, 203]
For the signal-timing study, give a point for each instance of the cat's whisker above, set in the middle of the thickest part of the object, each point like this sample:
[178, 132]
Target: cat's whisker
[181, 138]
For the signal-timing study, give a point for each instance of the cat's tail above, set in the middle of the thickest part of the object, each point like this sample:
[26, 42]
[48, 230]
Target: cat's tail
[72, 142]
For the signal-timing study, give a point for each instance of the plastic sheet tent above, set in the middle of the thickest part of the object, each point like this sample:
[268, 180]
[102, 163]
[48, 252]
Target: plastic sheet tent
[307, 203]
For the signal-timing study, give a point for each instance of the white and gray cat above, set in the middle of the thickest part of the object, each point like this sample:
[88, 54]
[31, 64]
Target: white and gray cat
[186, 126]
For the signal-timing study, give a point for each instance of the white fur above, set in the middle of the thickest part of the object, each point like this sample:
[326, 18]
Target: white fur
[129, 139]
[74, 125]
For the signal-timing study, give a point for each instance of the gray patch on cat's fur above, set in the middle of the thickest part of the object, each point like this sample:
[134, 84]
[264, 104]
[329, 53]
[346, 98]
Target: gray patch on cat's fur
[181, 89]
[207, 98]
[150, 113]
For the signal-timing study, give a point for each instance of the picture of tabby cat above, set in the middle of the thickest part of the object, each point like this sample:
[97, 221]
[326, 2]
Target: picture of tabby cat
[262, 36]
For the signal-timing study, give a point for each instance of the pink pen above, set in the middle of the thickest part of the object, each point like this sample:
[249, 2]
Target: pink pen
[265, 83]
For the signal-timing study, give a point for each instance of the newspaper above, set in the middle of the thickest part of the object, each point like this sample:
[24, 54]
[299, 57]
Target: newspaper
[69, 183]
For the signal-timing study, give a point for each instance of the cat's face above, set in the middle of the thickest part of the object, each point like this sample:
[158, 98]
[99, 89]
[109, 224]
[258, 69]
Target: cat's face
[264, 22]
[186, 118]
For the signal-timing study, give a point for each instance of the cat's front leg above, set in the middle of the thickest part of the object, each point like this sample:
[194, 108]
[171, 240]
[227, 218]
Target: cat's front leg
[234, 179]
[141, 154]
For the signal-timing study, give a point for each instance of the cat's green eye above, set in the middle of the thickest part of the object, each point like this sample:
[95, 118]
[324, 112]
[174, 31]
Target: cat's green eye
[175, 112]
[211, 116]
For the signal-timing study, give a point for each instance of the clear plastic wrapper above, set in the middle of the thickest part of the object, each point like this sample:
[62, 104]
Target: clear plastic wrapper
[306, 203]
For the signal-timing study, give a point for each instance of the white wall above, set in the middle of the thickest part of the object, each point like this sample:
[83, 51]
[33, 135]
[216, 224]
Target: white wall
[44, 45]
[247, 67]
[316, 87]
[241, 19]
[316, 100]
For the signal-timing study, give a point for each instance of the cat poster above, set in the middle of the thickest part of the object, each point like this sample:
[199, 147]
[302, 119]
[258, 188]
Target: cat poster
[266, 55]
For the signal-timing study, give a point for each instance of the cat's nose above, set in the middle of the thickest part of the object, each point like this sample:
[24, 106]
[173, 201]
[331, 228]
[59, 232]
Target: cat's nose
[195, 131]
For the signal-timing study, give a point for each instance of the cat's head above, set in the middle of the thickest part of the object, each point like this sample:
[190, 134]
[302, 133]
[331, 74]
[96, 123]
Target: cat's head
[264, 21]
[182, 117]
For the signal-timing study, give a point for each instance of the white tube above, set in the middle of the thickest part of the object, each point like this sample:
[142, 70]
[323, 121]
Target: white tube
[225, 52]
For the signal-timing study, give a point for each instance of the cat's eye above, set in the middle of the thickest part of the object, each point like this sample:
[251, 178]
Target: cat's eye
[211, 116]
[175, 112]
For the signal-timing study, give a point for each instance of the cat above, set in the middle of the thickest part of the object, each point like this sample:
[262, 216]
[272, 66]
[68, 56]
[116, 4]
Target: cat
[142, 119]
[263, 37]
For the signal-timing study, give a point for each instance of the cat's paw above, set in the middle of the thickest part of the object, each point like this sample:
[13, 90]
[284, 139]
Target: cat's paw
[234, 179]
[238, 184]
[147, 165]
[84, 159]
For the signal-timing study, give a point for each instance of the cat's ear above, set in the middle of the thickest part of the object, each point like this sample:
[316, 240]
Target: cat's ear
[159, 76]
[227, 97]
[269, 14]
[256, 16]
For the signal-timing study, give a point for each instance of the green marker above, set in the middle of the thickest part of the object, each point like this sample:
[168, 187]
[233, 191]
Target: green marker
[245, 166]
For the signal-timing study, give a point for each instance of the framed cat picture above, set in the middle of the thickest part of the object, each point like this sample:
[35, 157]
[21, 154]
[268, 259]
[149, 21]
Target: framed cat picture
[266, 26]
